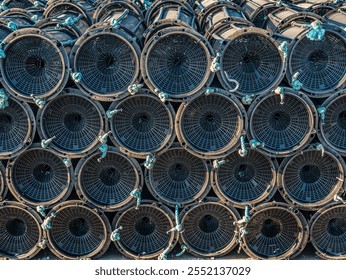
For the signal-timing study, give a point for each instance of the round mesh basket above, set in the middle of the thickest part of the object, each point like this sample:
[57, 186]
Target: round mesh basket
[275, 231]
[312, 178]
[75, 121]
[322, 64]
[35, 64]
[108, 61]
[78, 231]
[245, 180]
[108, 183]
[328, 231]
[209, 126]
[144, 234]
[144, 124]
[208, 228]
[39, 177]
[17, 128]
[20, 231]
[177, 62]
[178, 177]
[3, 187]
[251, 57]
[283, 128]
[332, 131]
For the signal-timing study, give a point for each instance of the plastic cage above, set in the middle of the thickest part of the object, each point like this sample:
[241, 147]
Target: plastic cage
[321, 64]
[155, 9]
[107, 7]
[39, 177]
[109, 182]
[20, 231]
[144, 124]
[332, 130]
[78, 231]
[257, 11]
[328, 231]
[144, 234]
[285, 125]
[312, 178]
[75, 121]
[178, 177]
[35, 64]
[108, 60]
[20, 17]
[17, 128]
[3, 186]
[245, 180]
[22, 4]
[208, 228]
[275, 231]
[209, 126]
[176, 63]
[169, 14]
[251, 57]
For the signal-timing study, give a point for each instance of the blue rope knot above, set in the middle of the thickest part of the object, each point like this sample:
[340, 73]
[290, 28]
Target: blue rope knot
[3, 99]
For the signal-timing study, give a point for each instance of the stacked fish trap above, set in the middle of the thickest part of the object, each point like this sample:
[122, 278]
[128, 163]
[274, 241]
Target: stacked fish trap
[152, 129]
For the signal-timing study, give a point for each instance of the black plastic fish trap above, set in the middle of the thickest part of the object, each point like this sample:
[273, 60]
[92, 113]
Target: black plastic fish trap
[254, 61]
[311, 179]
[328, 231]
[332, 130]
[210, 126]
[144, 234]
[246, 180]
[78, 231]
[208, 228]
[39, 177]
[109, 182]
[283, 128]
[75, 120]
[34, 65]
[177, 62]
[17, 128]
[275, 231]
[20, 231]
[108, 62]
[178, 177]
[144, 124]
[321, 64]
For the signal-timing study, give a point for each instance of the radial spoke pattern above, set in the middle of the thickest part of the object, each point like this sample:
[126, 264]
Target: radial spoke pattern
[33, 65]
[246, 179]
[110, 181]
[310, 178]
[178, 177]
[208, 228]
[322, 63]
[334, 129]
[211, 123]
[328, 231]
[272, 232]
[254, 61]
[282, 128]
[75, 121]
[77, 231]
[15, 126]
[145, 230]
[177, 64]
[107, 62]
[19, 231]
[145, 123]
[39, 176]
